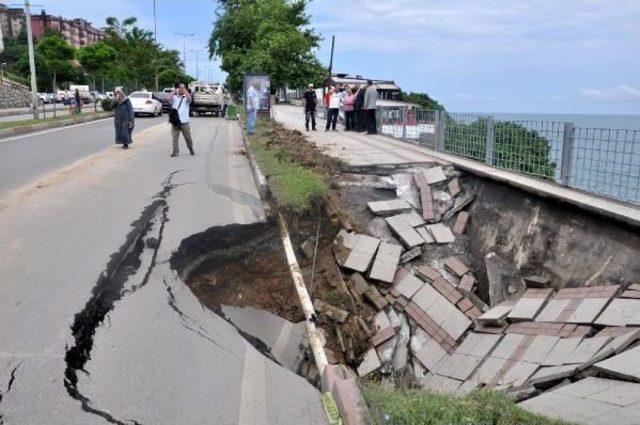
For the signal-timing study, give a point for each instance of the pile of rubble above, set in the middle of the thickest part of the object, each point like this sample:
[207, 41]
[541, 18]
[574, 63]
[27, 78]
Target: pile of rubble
[432, 331]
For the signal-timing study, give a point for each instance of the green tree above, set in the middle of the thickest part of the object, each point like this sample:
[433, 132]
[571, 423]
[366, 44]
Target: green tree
[266, 36]
[422, 99]
[56, 55]
[96, 59]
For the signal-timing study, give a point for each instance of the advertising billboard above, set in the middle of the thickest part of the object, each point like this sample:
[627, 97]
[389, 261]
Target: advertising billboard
[262, 84]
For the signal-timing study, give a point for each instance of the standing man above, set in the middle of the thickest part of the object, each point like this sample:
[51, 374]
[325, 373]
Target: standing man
[253, 103]
[359, 110]
[78, 102]
[180, 100]
[309, 102]
[334, 107]
[370, 106]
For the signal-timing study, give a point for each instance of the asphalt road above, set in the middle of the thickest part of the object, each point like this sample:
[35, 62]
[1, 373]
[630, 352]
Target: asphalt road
[96, 328]
[26, 158]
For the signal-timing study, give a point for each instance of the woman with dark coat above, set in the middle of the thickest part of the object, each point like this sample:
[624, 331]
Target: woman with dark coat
[123, 118]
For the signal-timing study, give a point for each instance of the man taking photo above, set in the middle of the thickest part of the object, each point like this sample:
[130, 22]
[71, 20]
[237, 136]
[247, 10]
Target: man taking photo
[179, 117]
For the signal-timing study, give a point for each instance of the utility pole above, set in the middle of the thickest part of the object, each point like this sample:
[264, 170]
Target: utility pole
[32, 64]
[324, 86]
[155, 38]
[197, 63]
[184, 48]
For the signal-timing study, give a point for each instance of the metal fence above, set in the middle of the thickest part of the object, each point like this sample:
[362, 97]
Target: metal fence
[597, 160]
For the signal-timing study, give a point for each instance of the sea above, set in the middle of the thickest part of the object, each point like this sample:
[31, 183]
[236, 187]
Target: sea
[631, 122]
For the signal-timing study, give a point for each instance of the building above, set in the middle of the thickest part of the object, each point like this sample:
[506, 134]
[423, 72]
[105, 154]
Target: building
[387, 89]
[78, 31]
[12, 20]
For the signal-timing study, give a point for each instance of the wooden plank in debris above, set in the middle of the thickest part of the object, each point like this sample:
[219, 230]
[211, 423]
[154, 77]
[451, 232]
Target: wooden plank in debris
[455, 266]
[460, 225]
[391, 207]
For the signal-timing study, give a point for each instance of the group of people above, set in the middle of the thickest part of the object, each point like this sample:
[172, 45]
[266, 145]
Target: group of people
[359, 104]
[124, 118]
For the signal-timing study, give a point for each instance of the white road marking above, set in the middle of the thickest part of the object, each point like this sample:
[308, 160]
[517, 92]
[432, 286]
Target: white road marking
[51, 130]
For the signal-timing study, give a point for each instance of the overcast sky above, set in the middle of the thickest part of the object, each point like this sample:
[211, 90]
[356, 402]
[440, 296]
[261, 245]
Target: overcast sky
[572, 56]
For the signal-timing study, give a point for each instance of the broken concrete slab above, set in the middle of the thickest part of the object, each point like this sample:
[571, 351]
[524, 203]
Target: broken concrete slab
[625, 365]
[410, 255]
[441, 311]
[467, 283]
[387, 208]
[440, 384]
[562, 330]
[462, 221]
[355, 251]
[413, 218]
[408, 285]
[426, 203]
[370, 363]
[402, 228]
[428, 273]
[530, 304]
[561, 352]
[502, 283]
[549, 374]
[621, 339]
[459, 204]
[496, 316]
[373, 296]
[382, 336]
[465, 359]
[441, 233]
[455, 266]
[534, 281]
[424, 233]
[434, 175]
[334, 313]
[588, 348]
[385, 262]
[430, 354]
[621, 312]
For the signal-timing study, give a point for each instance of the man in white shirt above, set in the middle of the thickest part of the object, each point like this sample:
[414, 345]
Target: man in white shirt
[253, 103]
[180, 100]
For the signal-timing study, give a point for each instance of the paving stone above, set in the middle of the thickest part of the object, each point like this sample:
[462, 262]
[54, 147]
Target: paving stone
[426, 203]
[386, 262]
[467, 283]
[374, 297]
[621, 339]
[621, 312]
[563, 330]
[454, 186]
[470, 353]
[409, 285]
[440, 384]
[539, 349]
[385, 208]
[441, 233]
[630, 294]
[428, 273]
[561, 353]
[413, 218]
[462, 221]
[370, 363]
[364, 248]
[496, 316]
[424, 233]
[459, 204]
[588, 348]
[443, 313]
[530, 304]
[410, 255]
[434, 175]
[455, 266]
[625, 365]
[577, 305]
[381, 321]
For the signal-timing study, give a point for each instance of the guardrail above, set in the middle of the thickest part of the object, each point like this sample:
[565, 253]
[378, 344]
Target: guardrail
[598, 160]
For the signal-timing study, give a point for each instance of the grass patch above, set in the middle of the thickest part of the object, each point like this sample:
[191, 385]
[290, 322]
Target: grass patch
[419, 407]
[24, 123]
[293, 186]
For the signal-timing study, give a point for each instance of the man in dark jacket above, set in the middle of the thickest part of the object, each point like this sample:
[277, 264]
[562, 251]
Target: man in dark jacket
[78, 102]
[359, 111]
[309, 103]
[370, 106]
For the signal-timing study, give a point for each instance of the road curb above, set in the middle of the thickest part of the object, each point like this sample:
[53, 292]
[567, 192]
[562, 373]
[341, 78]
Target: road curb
[26, 129]
[258, 175]
[343, 383]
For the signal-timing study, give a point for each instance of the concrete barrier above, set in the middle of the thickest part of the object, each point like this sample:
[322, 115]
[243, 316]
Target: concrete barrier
[25, 129]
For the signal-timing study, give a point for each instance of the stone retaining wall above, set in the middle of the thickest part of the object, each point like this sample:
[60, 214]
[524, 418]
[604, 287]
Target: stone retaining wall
[13, 95]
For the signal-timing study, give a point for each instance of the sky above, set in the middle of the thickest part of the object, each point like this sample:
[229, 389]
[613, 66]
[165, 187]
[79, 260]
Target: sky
[567, 56]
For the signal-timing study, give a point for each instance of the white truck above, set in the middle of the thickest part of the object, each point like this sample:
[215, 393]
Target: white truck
[208, 98]
[85, 94]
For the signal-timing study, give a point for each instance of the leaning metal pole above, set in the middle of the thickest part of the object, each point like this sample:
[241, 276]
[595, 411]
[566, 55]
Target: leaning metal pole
[32, 64]
[305, 300]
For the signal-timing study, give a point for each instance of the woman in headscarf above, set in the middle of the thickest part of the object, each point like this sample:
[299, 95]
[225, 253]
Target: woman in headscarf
[123, 117]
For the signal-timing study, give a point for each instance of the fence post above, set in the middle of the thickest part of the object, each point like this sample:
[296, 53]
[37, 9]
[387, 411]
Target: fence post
[488, 152]
[567, 152]
[404, 123]
[441, 131]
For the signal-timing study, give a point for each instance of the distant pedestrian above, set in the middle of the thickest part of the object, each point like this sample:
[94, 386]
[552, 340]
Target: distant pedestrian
[309, 103]
[123, 118]
[179, 118]
[253, 104]
[358, 108]
[78, 102]
[349, 113]
[325, 100]
[370, 106]
[334, 108]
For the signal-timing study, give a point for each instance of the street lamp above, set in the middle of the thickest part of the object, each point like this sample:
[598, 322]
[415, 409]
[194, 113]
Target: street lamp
[184, 47]
[155, 38]
[197, 65]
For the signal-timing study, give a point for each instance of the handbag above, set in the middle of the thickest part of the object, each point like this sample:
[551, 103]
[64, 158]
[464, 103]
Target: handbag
[174, 116]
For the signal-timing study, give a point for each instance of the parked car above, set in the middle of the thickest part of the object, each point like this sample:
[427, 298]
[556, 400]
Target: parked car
[144, 102]
[163, 97]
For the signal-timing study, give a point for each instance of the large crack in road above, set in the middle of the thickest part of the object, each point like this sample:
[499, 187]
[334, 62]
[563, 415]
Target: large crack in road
[109, 289]
[12, 378]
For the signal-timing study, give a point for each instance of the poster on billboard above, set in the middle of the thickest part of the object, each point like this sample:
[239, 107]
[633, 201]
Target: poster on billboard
[262, 84]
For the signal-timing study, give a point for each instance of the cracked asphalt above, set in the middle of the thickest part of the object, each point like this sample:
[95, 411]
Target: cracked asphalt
[95, 326]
